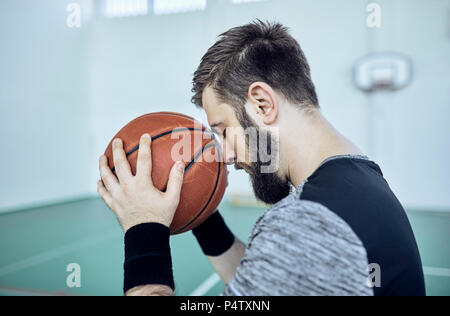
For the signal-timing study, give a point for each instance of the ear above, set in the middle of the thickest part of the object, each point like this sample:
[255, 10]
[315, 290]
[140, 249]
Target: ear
[264, 102]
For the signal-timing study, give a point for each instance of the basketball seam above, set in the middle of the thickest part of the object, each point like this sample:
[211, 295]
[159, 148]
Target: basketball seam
[167, 133]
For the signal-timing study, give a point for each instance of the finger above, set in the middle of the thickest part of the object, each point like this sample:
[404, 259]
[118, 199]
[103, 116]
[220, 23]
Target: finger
[144, 162]
[109, 179]
[175, 182]
[104, 194]
[123, 169]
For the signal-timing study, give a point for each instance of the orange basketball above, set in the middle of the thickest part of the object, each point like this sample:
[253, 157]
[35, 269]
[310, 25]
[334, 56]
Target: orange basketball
[205, 176]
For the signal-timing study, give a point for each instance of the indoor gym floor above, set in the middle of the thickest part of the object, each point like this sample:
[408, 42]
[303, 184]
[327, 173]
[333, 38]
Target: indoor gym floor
[38, 244]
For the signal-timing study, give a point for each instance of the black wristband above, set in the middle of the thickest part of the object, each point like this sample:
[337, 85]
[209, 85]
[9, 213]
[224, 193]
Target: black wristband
[214, 237]
[147, 256]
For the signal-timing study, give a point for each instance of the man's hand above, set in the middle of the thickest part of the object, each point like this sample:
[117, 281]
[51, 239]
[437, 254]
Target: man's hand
[134, 199]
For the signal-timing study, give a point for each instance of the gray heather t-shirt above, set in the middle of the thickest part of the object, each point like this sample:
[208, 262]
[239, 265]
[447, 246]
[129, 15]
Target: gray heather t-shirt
[299, 246]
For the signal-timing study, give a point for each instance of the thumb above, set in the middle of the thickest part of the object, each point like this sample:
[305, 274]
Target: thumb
[175, 181]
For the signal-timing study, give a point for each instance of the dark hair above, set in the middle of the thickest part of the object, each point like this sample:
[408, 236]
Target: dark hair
[259, 51]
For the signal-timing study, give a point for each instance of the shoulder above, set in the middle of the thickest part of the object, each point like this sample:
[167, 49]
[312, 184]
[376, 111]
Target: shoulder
[299, 220]
[302, 248]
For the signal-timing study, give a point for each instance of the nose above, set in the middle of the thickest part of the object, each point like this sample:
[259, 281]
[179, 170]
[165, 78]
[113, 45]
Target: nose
[228, 154]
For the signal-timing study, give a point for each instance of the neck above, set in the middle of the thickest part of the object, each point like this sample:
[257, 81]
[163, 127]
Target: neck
[309, 141]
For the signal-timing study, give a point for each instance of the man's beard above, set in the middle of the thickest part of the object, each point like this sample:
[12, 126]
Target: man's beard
[269, 188]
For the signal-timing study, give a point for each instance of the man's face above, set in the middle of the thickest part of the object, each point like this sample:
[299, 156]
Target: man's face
[242, 146]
